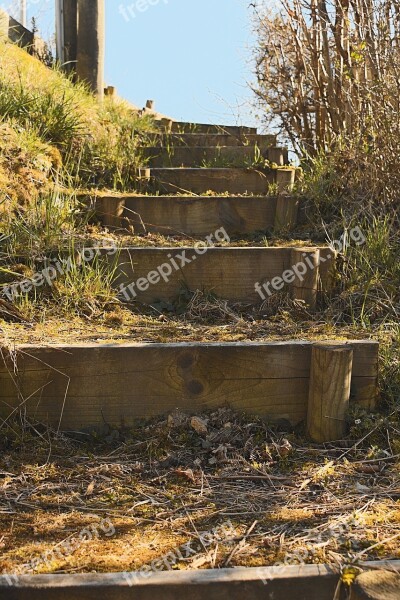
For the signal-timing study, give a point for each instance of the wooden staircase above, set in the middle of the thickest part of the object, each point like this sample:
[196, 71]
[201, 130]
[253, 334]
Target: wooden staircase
[205, 184]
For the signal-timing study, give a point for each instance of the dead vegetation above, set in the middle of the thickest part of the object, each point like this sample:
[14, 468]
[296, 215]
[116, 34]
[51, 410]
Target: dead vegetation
[162, 483]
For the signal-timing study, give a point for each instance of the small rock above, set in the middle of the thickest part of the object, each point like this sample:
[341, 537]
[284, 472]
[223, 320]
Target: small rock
[199, 425]
[284, 448]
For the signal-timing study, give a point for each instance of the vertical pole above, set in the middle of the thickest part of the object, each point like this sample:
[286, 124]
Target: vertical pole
[91, 44]
[70, 28]
[23, 14]
[60, 31]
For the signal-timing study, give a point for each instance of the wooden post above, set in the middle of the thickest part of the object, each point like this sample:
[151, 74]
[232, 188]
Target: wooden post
[376, 585]
[278, 155]
[91, 44]
[287, 208]
[329, 394]
[305, 265]
[285, 179]
[70, 25]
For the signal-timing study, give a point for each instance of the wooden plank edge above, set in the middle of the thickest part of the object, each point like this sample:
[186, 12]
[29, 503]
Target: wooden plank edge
[305, 582]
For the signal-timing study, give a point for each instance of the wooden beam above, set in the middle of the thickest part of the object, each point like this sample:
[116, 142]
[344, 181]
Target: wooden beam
[82, 385]
[196, 215]
[286, 215]
[185, 127]
[193, 140]
[305, 582]
[305, 264]
[222, 180]
[231, 273]
[181, 156]
[329, 394]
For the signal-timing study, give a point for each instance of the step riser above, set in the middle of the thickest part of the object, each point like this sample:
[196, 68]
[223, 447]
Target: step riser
[221, 181]
[183, 127]
[81, 386]
[199, 157]
[148, 275]
[198, 216]
[204, 140]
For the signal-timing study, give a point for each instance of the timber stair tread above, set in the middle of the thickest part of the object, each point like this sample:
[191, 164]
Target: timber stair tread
[186, 127]
[211, 140]
[201, 156]
[198, 215]
[221, 179]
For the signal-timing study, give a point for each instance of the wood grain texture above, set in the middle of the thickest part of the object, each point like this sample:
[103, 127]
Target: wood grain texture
[286, 214]
[192, 140]
[305, 263]
[329, 392]
[229, 272]
[220, 180]
[86, 385]
[197, 215]
[198, 157]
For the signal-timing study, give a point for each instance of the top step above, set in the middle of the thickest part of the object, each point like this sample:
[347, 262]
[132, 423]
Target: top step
[183, 127]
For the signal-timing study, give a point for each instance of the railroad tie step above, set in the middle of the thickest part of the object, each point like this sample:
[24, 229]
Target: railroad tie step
[197, 215]
[86, 385]
[222, 180]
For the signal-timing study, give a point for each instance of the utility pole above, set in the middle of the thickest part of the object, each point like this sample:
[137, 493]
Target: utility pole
[80, 26]
[67, 33]
[60, 31]
[91, 44]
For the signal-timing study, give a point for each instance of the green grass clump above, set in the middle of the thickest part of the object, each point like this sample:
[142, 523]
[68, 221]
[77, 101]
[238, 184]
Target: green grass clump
[91, 144]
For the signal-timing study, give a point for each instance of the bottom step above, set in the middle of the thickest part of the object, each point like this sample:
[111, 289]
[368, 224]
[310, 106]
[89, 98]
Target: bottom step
[303, 582]
[79, 386]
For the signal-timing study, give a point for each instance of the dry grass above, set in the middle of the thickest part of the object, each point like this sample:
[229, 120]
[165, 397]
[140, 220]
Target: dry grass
[162, 483]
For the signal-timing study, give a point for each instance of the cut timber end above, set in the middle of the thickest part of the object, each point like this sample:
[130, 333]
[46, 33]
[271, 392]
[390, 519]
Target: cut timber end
[376, 585]
[285, 179]
[79, 386]
[305, 265]
[329, 394]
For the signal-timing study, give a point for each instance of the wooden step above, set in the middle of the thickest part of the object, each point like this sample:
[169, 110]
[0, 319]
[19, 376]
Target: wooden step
[82, 385]
[205, 140]
[221, 180]
[185, 127]
[300, 582]
[224, 156]
[197, 215]
[237, 274]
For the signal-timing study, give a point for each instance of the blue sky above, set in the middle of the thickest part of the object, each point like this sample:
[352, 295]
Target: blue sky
[191, 56]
